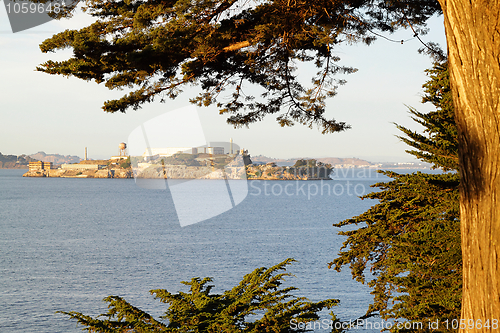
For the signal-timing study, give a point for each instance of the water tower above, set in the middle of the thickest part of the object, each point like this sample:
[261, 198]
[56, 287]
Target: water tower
[123, 149]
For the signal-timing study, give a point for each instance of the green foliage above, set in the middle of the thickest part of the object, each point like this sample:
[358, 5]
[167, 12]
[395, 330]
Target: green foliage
[182, 159]
[411, 245]
[126, 164]
[225, 47]
[410, 241]
[258, 303]
[305, 163]
[311, 169]
[440, 147]
[300, 163]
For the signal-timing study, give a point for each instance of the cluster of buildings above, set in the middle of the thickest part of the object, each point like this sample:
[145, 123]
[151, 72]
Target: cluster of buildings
[149, 155]
[154, 153]
[82, 166]
[39, 165]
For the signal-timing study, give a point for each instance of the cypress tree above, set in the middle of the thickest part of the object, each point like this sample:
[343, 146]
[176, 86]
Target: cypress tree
[259, 303]
[408, 246]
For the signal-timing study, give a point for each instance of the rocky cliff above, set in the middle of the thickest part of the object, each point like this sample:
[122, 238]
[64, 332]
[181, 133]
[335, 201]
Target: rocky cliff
[229, 167]
[105, 173]
[272, 172]
[189, 172]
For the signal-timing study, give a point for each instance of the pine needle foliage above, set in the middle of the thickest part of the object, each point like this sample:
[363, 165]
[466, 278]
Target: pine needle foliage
[438, 144]
[244, 55]
[409, 243]
[259, 303]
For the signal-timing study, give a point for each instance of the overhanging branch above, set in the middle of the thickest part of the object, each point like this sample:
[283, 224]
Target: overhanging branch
[236, 46]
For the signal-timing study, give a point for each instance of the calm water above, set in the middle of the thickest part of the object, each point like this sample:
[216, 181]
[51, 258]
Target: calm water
[65, 244]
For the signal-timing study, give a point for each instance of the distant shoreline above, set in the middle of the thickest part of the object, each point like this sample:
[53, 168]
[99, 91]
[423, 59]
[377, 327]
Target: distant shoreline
[20, 168]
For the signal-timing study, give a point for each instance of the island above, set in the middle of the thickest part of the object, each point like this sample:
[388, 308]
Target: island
[113, 168]
[183, 165]
[225, 166]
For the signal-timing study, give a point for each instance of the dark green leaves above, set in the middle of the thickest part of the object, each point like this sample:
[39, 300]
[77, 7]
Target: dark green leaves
[408, 246]
[258, 303]
[438, 144]
[243, 55]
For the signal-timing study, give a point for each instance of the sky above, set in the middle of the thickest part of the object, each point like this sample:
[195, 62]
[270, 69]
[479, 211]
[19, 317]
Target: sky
[58, 115]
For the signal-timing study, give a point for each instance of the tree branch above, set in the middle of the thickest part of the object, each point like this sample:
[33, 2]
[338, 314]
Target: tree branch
[236, 46]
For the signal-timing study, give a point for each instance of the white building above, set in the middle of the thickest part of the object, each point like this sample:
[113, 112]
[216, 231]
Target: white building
[166, 152]
[81, 166]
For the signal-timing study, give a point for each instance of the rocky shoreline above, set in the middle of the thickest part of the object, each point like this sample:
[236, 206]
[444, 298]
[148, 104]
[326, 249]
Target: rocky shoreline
[272, 172]
[190, 172]
[61, 173]
[185, 167]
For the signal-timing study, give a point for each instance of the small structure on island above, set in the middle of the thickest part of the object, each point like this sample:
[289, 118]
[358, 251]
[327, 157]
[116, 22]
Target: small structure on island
[122, 152]
[123, 149]
[39, 165]
[80, 167]
[154, 153]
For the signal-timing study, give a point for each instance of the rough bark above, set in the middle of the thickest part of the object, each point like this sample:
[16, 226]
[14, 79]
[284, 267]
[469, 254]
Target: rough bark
[473, 37]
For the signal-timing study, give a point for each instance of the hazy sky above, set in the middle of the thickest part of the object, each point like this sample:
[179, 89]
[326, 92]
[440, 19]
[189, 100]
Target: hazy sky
[41, 112]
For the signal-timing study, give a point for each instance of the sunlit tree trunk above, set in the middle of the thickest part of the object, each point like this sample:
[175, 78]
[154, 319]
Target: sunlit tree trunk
[473, 37]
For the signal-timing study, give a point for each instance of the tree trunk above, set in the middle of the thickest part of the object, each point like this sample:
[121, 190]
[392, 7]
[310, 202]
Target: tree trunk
[473, 37]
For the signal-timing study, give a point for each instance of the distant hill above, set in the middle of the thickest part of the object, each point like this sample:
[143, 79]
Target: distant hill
[14, 162]
[55, 158]
[334, 161]
[265, 159]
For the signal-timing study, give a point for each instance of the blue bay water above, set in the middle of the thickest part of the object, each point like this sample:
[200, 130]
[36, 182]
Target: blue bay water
[65, 244]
